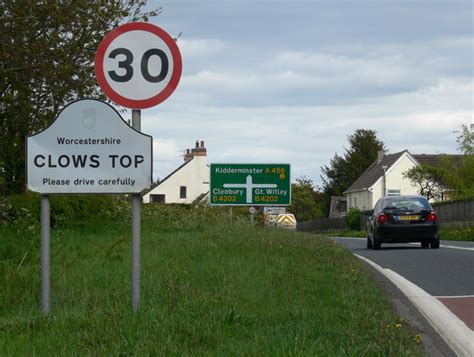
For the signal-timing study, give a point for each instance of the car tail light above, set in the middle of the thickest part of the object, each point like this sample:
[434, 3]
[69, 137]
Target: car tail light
[382, 218]
[432, 217]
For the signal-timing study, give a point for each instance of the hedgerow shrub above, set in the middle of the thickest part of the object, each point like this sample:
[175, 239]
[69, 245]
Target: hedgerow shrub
[23, 211]
[353, 219]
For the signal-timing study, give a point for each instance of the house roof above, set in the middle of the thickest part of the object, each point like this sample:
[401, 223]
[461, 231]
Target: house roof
[436, 160]
[155, 185]
[370, 176]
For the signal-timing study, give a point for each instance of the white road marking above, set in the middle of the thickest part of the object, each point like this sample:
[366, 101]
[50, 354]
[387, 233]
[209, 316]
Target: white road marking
[441, 245]
[455, 247]
[454, 331]
[448, 246]
[454, 297]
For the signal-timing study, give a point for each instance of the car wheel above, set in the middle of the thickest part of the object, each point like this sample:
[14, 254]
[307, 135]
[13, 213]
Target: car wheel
[435, 243]
[369, 242]
[376, 243]
[425, 244]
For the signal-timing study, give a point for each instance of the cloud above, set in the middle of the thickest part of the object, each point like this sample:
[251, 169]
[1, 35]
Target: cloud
[337, 77]
[258, 91]
[196, 48]
[308, 136]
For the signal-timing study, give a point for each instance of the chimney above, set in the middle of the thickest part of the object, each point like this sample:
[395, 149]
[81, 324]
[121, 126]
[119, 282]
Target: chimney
[379, 155]
[198, 150]
[188, 156]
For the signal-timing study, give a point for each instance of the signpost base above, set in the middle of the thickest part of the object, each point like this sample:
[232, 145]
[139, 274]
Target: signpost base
[136, 230]
[45, 255]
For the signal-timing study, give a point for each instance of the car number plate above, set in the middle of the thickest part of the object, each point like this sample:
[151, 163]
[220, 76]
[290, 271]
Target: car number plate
[409, 218]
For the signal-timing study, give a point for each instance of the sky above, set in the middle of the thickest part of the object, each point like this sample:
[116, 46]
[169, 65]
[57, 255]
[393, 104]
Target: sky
[269, 81]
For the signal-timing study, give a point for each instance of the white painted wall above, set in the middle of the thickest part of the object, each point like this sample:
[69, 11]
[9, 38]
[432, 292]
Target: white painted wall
[194, 175]
[360, 199]
[366, 200]
[395, 179]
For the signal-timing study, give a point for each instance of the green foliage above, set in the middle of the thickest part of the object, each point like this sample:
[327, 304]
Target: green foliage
[428, 179]
[46, 58]
[21, 212]
[353, 218]
[305, 200]
[344, 170]
[458, 233]
[465, 139]
[170, 217]
[460, 177]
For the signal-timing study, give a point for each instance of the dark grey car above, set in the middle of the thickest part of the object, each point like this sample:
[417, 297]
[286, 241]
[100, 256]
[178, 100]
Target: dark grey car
[403, 219]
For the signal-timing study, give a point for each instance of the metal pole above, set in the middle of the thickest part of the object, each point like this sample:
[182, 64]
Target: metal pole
[136, 230]
[384, 180]
[45, 255]
[251, 219]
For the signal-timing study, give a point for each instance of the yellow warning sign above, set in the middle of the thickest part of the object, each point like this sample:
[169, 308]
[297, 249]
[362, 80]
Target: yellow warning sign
[286, 220]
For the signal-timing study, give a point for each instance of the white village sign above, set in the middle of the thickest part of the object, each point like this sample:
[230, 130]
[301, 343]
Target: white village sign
[89, 148]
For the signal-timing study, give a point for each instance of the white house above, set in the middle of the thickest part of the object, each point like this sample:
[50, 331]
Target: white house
[187, 184]
[384, 177]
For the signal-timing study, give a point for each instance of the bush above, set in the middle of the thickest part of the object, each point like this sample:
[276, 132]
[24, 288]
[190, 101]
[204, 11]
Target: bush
[23, 211]
[353, 219]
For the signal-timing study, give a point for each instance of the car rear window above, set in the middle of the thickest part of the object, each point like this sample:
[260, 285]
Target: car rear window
[414, 203]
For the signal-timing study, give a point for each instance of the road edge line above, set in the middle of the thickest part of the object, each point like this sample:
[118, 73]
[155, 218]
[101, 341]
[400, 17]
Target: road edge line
[455, 332]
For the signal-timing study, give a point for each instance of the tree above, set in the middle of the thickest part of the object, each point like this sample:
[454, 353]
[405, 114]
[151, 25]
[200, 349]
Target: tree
[46, 60]
[465, 139]
[457, 176]
[344, 170]
[460, 177]
[305, 200]
[428, 179]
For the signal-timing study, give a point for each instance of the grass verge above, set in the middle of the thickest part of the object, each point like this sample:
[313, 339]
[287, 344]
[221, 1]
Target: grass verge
[465, 234]
[207, 289]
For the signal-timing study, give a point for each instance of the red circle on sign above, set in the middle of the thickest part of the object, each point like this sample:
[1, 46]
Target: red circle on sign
[158, 97]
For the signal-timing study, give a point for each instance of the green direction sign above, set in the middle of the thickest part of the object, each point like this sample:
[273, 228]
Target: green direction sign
[250, 185]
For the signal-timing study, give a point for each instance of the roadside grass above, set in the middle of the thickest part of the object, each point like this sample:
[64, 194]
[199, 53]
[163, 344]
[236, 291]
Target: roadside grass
[208, 288]
[458, 233]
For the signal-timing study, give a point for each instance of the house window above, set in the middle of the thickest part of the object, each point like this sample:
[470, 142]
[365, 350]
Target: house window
[182, 192]
[157, 198]
[393, 192]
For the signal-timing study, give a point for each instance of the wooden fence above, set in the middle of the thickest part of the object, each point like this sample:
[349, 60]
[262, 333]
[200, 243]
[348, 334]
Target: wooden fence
[323, 224]
[460, 213]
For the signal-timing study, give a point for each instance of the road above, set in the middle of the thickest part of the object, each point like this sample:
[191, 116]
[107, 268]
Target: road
[443, 275]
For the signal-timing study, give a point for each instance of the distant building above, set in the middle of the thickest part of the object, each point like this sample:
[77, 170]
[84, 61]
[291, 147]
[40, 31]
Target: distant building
[338, 207]
[187, 184]
[384, 177]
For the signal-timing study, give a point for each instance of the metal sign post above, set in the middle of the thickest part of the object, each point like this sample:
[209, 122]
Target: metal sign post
[252, 211]
[45, 255]
[136, 229]
[137, 65]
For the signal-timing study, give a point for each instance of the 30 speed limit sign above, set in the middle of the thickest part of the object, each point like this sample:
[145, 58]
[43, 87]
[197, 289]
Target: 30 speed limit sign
[138, 65]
